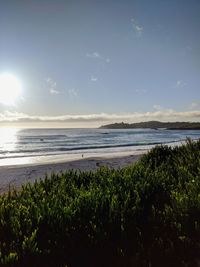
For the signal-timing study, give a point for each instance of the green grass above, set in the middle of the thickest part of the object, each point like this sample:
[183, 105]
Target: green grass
[147, 214]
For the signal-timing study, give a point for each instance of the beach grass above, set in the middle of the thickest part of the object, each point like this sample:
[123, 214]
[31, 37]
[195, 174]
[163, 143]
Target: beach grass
[146, 214]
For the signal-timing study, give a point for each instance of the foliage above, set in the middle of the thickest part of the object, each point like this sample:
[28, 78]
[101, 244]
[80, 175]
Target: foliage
[147, 214]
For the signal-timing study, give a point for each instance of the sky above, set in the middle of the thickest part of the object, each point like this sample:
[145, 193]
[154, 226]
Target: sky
[93, 62]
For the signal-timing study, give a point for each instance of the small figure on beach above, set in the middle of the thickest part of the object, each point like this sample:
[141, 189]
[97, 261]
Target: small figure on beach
[82, 155]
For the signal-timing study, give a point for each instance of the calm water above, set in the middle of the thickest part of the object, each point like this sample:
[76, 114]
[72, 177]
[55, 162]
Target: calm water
[16, 144]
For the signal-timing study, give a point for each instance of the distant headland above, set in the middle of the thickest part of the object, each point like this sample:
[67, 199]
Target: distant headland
[154, 125]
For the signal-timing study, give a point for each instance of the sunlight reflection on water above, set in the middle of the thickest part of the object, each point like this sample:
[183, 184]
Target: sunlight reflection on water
[8, 139]
[8, 144]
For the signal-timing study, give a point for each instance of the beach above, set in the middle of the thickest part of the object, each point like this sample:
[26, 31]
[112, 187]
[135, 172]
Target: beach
[14, 176]
[30, 154]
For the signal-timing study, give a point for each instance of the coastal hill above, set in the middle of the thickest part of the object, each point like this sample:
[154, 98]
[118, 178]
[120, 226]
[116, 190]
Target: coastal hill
[154, 125]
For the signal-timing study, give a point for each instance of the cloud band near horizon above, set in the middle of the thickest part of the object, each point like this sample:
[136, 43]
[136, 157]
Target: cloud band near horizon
[163, 115]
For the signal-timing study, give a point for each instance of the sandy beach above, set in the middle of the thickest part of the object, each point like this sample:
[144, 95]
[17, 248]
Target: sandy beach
[14, 176]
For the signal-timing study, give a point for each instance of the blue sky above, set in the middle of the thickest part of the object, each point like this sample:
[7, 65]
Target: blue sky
[84, 63]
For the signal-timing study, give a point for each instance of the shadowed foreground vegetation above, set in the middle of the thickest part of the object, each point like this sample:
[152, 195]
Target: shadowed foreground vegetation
[147, 214]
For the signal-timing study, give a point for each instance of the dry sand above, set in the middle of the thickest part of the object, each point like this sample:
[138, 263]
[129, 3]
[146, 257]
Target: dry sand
[15, 176]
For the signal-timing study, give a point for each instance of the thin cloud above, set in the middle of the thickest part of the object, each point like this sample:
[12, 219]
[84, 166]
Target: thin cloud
[136, 27]
[96, 55]
[93, 79]
[52, 86]
[93, 55]
[53, 91]
[157, 107]
[140, 91]
[194, 105]
[179, 84]
[73, 92]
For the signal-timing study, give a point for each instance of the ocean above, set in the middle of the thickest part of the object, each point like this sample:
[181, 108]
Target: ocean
[22, 146]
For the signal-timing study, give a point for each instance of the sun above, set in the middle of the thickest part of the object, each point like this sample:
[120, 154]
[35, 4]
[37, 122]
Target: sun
[10, 89]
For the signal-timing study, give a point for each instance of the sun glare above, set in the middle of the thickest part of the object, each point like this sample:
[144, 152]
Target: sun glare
[10, 89]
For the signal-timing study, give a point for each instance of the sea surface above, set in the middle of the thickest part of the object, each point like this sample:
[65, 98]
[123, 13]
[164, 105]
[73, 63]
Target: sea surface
[21, 146]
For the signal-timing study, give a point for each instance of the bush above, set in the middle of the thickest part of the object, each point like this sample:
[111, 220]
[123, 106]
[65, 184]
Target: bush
[147, 214]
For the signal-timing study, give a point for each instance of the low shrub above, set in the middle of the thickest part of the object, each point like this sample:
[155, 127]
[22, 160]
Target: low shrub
[147, 214]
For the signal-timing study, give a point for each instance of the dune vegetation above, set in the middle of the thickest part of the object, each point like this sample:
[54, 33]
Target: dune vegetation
[147, 214]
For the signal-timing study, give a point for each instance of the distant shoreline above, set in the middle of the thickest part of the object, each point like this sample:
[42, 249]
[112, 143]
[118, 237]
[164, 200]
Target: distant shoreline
[154, 125]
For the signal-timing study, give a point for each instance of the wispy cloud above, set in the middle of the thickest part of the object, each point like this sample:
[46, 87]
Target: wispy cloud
[194, 105]
[179, 84]
[138, 29]
[157, 107]
[93, 55]
[73, 93]
[96, 55]
[163, 115]
[53, 91]
[52, 86]
[140, 91]
[93, 79]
